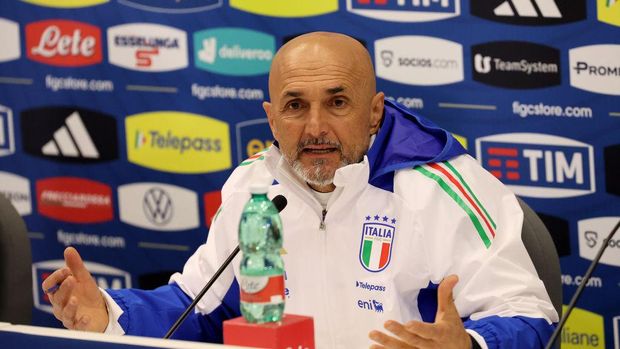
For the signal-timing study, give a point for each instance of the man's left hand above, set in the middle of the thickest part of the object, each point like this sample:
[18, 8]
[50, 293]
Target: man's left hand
[447, 332]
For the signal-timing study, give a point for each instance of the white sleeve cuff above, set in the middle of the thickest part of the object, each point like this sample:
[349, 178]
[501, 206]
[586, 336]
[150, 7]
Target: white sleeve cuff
[478, 338]
[114, 313]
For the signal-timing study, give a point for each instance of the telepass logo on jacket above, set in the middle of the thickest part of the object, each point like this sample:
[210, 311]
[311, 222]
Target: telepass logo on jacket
[376, 243]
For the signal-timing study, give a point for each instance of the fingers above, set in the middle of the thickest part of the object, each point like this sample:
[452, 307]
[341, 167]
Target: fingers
[422, 329]
[388, 341]
[69, 312]
[445, 298]
[54, 279]
[76, 265]
[408, 334]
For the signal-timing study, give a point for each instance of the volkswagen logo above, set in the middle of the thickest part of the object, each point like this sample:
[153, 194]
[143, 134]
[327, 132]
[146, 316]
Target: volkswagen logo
[157, 205]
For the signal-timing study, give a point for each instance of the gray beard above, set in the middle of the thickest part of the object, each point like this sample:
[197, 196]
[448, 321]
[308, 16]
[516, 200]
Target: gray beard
[315, 175]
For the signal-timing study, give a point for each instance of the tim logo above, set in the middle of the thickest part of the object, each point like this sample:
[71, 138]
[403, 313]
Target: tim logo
[107, 277]
[174, 7]
[371, 304]
[376, 243]
[7, 142]
[405, 10]
[539, 165]
[530, 12]
[63, 43]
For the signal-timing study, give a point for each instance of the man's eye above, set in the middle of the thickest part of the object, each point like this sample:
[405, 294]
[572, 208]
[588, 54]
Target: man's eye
[339, 102]
[293, 106]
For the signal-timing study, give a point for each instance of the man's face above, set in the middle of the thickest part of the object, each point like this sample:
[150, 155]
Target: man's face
[322, 115]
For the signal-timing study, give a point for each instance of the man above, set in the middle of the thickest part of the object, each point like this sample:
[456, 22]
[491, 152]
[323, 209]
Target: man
[371, 230]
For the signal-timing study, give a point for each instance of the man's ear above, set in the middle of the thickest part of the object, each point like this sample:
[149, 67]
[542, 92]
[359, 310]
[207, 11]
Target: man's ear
[270, 118]
[376, 112]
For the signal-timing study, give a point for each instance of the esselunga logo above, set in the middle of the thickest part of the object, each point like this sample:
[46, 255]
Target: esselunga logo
[592, 233]
[147, 47]
[178, 142]
[595, 68]
[419, 60]
[10, 40]
[539, 165]
[66, 3]
[583, 329]
[234, 51]
[608, 11]
[286, 8]
[175, 7]
[405, 11]
[107, 277]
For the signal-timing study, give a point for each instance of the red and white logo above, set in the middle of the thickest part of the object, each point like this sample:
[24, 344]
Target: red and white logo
[147, 47]
[74, 200]
[63, 43]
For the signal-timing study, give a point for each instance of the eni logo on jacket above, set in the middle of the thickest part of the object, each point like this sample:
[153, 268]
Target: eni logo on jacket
[178, 142]
[286, 8]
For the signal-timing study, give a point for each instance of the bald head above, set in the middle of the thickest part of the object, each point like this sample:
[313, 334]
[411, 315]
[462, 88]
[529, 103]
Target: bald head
[314, 50]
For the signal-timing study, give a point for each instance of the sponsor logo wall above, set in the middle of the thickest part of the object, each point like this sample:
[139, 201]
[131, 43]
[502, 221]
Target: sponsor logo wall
[117, 132]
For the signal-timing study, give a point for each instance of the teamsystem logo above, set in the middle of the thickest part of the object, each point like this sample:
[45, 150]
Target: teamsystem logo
[10, 40]
[147, 47]
[107, 277]
[286, 8]
[7, 141]
[419, 60]
[17, 190]
[69, 134]
[66, 3]
[516, 64]
[234, 51]
[539, 165]
[595, 68]
[63, 43]
[592, 234]
[175, 7]
[609, 12]
[178, 142]
[158, 206]
[405, 10]
[530, 12]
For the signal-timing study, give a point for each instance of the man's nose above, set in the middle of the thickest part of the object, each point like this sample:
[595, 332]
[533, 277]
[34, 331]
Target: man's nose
[317, 124]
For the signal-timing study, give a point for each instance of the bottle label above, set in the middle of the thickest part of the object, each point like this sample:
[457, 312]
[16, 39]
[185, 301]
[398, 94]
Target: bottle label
[262, 289]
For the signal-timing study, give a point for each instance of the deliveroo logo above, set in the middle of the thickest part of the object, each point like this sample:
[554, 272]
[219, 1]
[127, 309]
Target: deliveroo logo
[234, 51]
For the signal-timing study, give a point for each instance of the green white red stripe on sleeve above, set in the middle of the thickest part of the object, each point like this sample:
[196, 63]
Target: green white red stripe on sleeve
[452, 183]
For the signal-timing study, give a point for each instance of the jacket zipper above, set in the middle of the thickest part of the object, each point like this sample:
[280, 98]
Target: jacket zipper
[322, 225]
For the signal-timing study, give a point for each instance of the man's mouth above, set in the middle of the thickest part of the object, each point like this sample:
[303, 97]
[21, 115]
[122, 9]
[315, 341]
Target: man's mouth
[319, 149]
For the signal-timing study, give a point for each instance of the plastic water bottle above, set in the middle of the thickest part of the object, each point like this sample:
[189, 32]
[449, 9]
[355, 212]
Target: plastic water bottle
[262, 269]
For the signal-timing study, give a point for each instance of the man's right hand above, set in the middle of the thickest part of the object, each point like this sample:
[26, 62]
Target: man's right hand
[77, 302]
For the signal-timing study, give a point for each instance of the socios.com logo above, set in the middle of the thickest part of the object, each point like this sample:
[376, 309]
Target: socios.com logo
[253, 136]
[66, 3]
[234, 51]
[539, 165]
[107, 277]
[595, 68]
[178, 142]
[608, 11]
[419, 60]
[175, 7]
[583, 329]
[405, 11]
[592, 233]
[286, 8]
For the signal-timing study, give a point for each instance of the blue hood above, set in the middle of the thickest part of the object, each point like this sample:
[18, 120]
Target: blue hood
[406, 140]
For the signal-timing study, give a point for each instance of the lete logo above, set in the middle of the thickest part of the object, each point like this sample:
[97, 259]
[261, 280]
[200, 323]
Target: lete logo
[592, 233]
[158, 206]
[74, 200]
[105, 276]
[63, 43]
[147, 47]
[539, 165]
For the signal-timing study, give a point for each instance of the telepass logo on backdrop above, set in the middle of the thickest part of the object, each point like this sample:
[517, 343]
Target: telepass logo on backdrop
[147, 47]
[63, 43]
[286, 8]
[234, 51]
[530, 12]
[178, 142]
[405, 10]
[69, 134]
[107, 277]
[539, 165]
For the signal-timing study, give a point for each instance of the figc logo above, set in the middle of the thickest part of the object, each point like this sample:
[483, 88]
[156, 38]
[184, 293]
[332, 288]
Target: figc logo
[178, 142]
[286, 8]
[539, 165]
[234, 51]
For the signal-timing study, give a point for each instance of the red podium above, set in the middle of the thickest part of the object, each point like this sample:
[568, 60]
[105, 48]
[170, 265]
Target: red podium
[293, 332]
